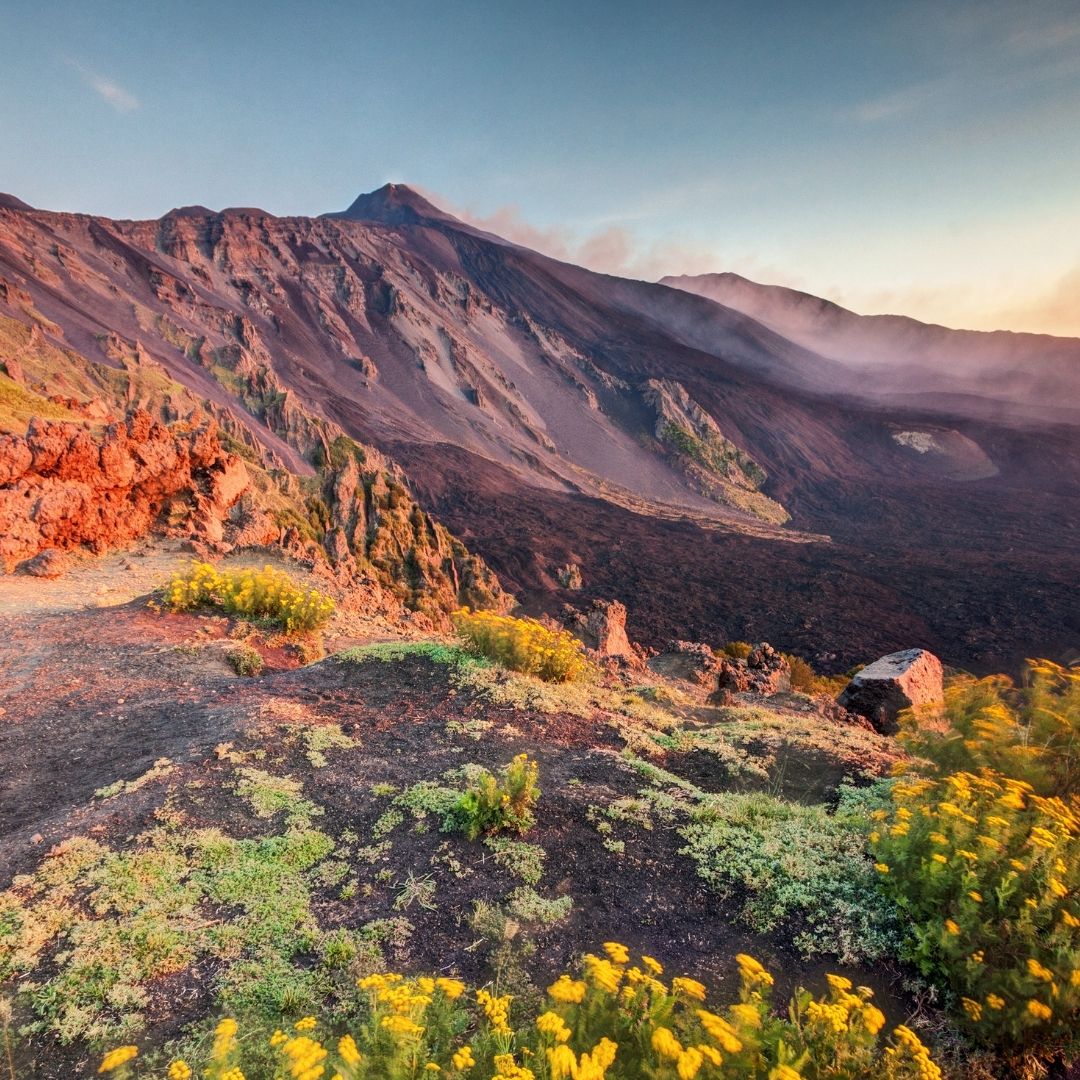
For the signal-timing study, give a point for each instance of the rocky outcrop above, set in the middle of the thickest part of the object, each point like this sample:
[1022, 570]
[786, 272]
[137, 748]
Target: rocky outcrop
[764, 672]
[692, 661]
[911, 679]
[63, 487]
[718, 468]
[371, 526]
[601, 628]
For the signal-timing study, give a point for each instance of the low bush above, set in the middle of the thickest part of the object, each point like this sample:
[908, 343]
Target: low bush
[616, 1022]
[267, 594]
[798, 871]
[245, 660]
[523, 645]
[1029, 732]
[987, 872]
[737, 650]
[494, 804]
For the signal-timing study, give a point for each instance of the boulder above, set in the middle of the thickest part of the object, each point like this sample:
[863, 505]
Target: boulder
[692, 661]
[910, 679]
[601, 628]
[49, 563]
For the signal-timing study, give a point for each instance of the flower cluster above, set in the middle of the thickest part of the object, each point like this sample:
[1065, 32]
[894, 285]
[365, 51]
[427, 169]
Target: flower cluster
[988, 872]
[523, 645]
[253, 594]
[620, 1019]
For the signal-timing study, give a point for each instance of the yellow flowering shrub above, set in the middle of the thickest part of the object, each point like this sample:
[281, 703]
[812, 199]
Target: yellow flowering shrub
[1030, 732]
[493, 803]
[618, 1020]
[523, 645]
[265, 594]
[987, 872]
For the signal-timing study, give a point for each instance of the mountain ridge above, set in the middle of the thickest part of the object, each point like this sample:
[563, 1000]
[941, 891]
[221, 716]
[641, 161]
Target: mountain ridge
[535, 383]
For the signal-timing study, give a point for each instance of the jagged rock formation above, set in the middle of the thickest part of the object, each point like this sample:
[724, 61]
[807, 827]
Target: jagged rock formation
[910, 679]
[765, 672]
[717, 466]
[693, 661]
[62, 488]
[322, 496]
[601, 628]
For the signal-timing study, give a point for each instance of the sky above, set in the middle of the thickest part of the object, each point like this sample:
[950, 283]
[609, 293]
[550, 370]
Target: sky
[919, 158]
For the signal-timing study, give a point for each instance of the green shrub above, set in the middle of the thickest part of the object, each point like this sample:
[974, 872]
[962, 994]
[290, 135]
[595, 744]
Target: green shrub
[245, 660]
[523, 645]
[266, 594]
[494, 804]
[797, 870]
[987, 872]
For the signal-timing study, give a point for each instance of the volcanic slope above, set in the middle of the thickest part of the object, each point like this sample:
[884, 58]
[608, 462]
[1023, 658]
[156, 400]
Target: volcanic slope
[554, 415]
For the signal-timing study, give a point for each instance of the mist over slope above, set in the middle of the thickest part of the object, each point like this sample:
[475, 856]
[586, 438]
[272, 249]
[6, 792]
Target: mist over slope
[998, 374]
[721, 477]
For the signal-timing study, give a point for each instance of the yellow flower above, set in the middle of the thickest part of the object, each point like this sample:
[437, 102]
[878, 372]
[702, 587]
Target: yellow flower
[751, 971]
[873, 1019]
[881, 868]
[690, 987]
[994, 1002]
[432, 1067]
[567, 991]
[665, 1043]
[115, 1058]
[976, 896]
[306, 1023]
[1039, 1011]
[463, 1058]
[348, 1051]
[688, 1064]
[719, 1030]
[653, 965]
[619, 954]
[1037, 971]
[179, 1070]
[951, 927]
[939, 858]
[552, 1025]
[784, 1072]
[972, 1008]
[452, 988]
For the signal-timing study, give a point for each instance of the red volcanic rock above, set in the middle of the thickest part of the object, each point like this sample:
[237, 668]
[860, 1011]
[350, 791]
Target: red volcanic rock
[602, 628]
[903, 680]
[62, 488]
[763, 672]
[49, 563]
[689, 660]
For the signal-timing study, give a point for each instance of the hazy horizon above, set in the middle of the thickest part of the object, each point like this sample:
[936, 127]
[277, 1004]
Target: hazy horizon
[908, 161]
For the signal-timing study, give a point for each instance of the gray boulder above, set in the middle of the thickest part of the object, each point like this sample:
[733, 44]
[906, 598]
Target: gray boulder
[908, 679]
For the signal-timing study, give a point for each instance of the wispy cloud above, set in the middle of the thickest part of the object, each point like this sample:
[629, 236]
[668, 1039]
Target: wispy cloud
[898, 103]
[112, 93]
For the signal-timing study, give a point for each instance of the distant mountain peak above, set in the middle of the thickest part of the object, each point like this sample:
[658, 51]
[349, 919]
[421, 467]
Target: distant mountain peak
[12, 202]
[393, 204]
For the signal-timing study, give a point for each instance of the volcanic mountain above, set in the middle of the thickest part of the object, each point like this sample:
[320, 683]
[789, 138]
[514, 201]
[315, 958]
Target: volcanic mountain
[717, 471]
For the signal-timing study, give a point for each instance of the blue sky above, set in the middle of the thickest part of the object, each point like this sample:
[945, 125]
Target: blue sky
[915, 157]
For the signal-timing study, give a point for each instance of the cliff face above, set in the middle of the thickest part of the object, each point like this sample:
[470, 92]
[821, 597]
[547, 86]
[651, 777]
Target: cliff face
[260, 469]
[62, 487]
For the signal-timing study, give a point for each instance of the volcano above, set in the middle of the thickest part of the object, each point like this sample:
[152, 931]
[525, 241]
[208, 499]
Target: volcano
[747, 463]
